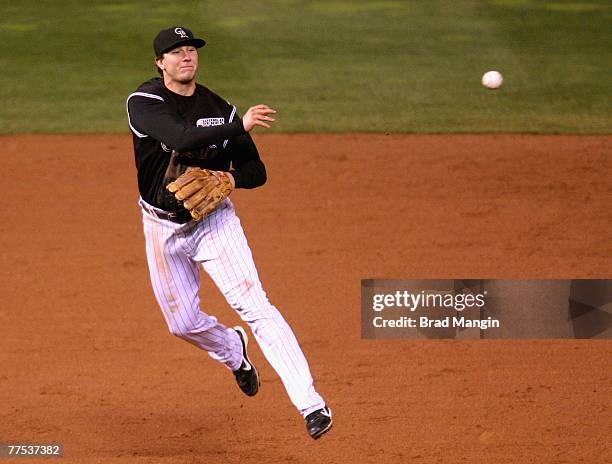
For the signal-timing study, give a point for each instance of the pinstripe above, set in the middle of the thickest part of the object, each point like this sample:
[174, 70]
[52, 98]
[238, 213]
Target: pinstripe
[175, 281]
[218, 244]
[300, 382]
[233, 267]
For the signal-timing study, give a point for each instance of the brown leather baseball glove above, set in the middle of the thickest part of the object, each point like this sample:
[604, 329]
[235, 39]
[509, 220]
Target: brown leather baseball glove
[201, 190]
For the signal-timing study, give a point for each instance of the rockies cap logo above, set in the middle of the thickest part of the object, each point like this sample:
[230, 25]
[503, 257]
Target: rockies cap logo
[180, 32]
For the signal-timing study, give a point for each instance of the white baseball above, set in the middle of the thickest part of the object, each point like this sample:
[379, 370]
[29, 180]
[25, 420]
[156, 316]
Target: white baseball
[492, 79]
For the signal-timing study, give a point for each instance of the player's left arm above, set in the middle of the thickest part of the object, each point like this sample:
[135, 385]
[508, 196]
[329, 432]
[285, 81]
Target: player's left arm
[248, 170]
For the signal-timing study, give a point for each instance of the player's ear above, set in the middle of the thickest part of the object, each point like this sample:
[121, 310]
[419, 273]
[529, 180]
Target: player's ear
[159, 62]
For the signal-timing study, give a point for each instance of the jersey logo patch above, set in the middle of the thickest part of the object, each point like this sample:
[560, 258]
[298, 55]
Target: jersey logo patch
[207, 122]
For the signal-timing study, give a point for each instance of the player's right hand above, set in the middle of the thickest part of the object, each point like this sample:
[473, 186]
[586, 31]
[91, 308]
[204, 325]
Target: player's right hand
[257, 116]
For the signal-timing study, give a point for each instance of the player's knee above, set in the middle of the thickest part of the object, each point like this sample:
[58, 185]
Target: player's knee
[272, 331]
[259, 313]
[249, 296]
[242, 292]
[181, 331]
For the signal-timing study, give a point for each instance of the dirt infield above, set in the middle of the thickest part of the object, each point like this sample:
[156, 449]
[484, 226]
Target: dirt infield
[87, 360]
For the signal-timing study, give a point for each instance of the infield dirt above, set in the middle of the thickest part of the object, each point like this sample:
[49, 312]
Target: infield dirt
[87, 360]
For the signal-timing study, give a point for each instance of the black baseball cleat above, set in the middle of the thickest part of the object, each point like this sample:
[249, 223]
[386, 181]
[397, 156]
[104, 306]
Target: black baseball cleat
[319, 422]
[247, 377]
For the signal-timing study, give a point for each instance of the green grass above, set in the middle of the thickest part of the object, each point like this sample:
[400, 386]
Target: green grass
[327, 66]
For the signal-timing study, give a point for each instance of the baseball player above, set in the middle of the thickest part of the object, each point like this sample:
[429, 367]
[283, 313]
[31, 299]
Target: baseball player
[192, 150]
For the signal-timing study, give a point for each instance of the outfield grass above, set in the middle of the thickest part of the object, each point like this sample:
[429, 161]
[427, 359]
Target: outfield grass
[383, 66]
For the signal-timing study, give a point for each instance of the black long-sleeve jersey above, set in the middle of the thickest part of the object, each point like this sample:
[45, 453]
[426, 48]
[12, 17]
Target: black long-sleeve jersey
[172, 132]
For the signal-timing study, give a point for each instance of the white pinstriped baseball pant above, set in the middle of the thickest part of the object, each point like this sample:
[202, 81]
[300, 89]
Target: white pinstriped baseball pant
[218, 244]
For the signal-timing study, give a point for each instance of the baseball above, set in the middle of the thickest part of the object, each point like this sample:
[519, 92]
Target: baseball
[492, 79]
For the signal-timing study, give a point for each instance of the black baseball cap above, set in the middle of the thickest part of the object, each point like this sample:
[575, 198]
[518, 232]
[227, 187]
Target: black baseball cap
[173, 37]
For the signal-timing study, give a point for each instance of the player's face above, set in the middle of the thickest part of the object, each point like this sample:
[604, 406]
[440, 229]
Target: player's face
[180, 64]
